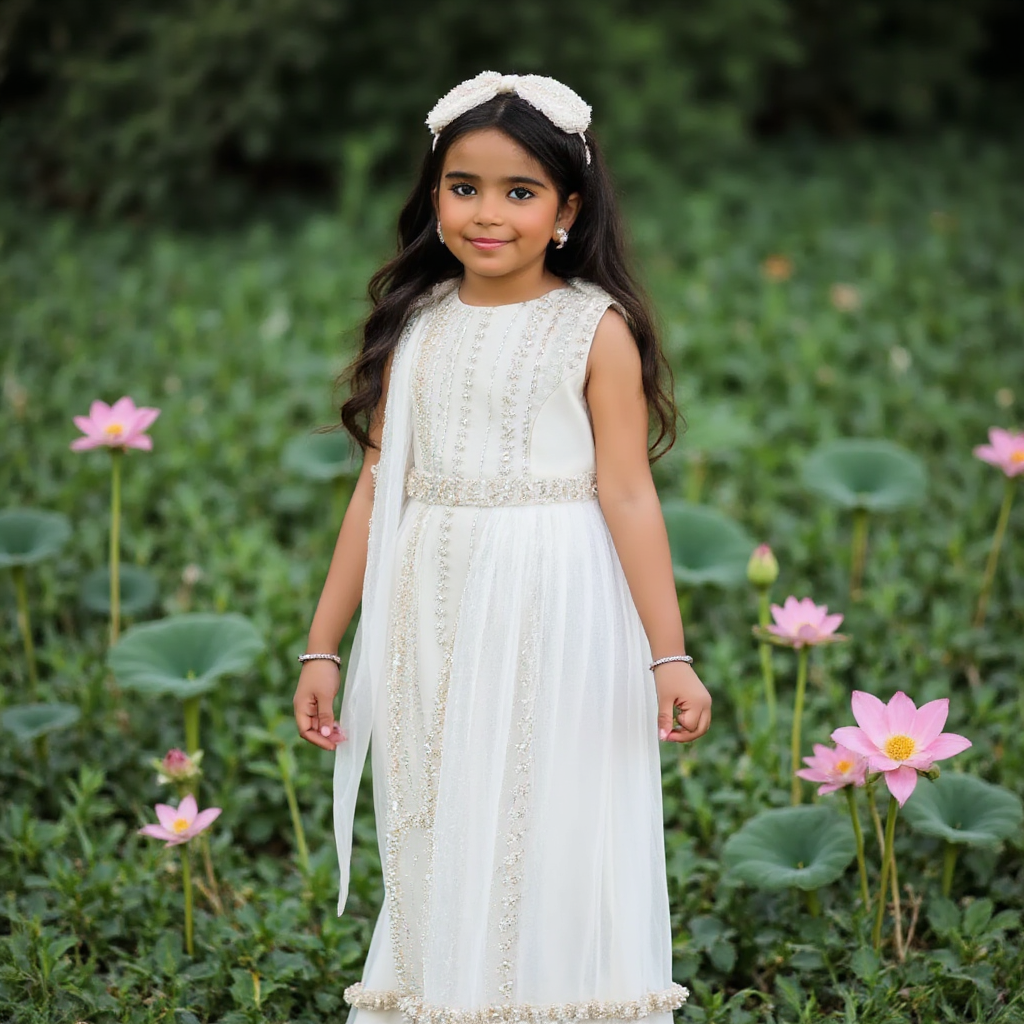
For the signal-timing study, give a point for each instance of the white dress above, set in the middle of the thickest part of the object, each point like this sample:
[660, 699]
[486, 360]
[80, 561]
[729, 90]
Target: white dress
[501, 668]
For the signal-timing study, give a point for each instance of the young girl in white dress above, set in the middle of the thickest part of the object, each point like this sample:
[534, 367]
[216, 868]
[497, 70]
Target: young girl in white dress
[507, 546]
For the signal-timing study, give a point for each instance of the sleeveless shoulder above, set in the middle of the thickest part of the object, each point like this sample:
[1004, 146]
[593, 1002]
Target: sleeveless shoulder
[590, 302]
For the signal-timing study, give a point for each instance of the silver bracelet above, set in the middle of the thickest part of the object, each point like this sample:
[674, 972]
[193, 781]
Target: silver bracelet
[312, 657]
[673, 657]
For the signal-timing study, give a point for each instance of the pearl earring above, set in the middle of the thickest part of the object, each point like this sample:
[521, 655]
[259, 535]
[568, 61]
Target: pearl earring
[440, 233]
[563, 237]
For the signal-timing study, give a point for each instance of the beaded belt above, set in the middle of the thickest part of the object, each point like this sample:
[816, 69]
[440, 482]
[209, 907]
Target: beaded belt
[488, 492]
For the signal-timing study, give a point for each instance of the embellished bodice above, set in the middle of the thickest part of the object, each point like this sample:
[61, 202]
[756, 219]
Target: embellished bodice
[499, 415]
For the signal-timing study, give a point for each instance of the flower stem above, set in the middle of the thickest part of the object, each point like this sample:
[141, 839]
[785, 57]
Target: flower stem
[798, 712]
[191, 707]
[993, 555]
[858, 551]
[695, 477]
[763, 617]
[887, 858]
[813, 903]
[186, 885]
[293, 806]
[25, 627]
[948, 863]
[851, 800]
[115, 544]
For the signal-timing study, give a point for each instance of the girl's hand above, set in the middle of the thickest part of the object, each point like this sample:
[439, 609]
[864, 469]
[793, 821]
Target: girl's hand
[314, 704]
[679, 687]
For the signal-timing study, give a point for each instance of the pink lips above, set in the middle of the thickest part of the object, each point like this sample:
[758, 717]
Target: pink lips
[487, 243]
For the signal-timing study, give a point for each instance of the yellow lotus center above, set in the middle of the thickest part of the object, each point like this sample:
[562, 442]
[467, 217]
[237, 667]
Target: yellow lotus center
[113, 428]
[180, 825]
[843, 766]
[1017, 456]
[899, 748]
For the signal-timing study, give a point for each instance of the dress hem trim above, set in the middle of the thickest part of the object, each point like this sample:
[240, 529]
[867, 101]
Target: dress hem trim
[416, 1010]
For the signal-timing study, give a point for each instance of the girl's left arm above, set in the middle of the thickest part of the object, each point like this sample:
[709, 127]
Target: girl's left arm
[629, 501]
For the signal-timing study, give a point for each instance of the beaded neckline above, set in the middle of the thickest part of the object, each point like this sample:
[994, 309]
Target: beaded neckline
[510, 305]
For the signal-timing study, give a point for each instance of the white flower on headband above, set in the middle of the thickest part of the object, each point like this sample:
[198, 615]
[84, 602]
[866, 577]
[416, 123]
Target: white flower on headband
[557, 102]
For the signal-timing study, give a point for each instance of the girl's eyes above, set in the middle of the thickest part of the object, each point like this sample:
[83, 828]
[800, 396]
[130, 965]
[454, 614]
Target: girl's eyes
[518, 188]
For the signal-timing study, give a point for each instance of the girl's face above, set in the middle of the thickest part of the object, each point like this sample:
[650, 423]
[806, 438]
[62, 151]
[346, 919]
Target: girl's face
[497, 205]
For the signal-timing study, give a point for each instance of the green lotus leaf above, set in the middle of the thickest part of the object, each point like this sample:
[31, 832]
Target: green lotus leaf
[964, 809]
[791, 847]
[323, 456]
[27, 721]
[138, 590]
[874, 475]
[707, 546]
[184, 655]
[717, 429]
[29, 535]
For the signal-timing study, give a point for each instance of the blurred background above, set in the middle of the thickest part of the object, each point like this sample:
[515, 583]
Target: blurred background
[199, 108]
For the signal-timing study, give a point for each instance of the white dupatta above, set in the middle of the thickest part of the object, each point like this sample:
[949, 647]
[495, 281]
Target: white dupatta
[366, 679]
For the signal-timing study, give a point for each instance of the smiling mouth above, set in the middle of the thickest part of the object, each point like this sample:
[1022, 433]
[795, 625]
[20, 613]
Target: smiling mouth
[488, 243]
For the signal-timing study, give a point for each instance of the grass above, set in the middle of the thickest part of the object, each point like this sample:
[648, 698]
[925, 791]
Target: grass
[237, 338]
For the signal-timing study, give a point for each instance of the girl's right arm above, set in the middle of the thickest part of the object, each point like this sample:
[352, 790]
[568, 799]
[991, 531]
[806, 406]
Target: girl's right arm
[319, 680]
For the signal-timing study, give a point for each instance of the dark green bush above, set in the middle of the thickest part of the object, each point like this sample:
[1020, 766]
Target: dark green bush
[191, 105]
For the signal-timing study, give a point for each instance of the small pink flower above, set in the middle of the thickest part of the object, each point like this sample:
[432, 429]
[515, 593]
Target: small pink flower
[899, 738]
[763, 567]
[800, 623]
[836, 768]
[177, 766]
[1005, 451]
[180, 824]
[121, 425]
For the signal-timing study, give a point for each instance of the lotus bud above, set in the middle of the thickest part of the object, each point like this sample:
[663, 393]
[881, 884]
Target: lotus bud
[763, 568]
[933, 773]
[177, 766]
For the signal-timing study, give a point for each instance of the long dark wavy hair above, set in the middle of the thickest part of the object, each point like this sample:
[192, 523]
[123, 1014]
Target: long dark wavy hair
[596, 252]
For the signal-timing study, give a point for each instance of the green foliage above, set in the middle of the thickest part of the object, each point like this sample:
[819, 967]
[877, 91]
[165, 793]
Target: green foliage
[188, 106]
[871, 474]
[237, 338]
[27, 721]
[184, 655]
[791, 847]
[964, 809]
[707, 546]
[30, 535]
[138, 590]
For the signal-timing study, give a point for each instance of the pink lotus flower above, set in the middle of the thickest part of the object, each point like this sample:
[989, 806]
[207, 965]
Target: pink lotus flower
[899, 738]
[121, 425]
[180, 824]
[1006, 451]
[800, 623]
[836, 768]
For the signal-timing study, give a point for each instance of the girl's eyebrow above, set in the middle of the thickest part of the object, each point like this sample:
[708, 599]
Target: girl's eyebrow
[508, 181]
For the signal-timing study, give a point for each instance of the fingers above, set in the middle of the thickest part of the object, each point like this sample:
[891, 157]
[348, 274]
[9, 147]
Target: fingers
[693, 723]
[314, 717]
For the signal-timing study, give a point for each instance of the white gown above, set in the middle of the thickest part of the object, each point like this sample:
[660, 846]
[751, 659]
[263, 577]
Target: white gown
[501, 668]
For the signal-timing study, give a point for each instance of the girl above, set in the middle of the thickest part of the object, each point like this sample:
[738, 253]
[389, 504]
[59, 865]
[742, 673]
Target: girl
[507, 544]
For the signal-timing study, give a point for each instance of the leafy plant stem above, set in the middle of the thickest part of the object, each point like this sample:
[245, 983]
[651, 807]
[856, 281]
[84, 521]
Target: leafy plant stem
[798, 711]
[764, 617]
[191, 708]
[887, 857]
[851, 800]
[293, 806]
[993, 555]
[25, 628]
[858, 551]
[186, 885]
[115, 544]
[948, 864]
[813, 902]
[695, 477]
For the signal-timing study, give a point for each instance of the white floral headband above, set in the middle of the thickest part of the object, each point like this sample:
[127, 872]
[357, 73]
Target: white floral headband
[557, 102]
